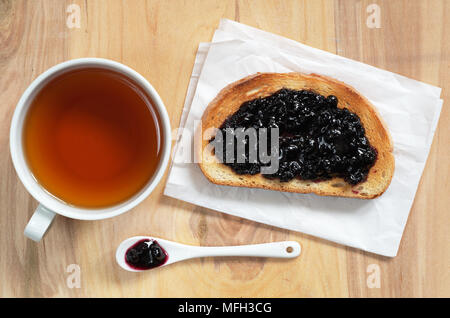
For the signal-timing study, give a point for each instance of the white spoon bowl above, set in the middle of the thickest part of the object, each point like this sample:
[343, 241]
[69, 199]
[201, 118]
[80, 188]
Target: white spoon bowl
[179, 252]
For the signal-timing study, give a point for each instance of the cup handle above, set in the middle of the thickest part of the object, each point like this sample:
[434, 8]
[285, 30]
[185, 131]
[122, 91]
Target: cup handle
[39, 223]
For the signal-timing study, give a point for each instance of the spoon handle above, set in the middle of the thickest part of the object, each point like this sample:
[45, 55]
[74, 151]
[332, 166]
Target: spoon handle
[285, 249]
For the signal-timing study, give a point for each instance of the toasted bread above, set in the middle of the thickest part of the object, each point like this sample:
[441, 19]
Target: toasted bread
[229, 100]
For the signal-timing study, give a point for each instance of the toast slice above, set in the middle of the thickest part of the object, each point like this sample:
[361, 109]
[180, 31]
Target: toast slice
[229, 100]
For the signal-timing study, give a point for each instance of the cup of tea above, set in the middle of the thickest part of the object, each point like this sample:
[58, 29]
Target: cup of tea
[90, 139]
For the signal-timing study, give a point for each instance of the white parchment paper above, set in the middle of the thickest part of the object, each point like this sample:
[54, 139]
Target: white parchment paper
[410, 108]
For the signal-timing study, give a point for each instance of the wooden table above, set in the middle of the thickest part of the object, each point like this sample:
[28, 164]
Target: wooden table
[159, 39]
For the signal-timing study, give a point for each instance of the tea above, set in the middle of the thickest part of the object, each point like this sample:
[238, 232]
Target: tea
[91, 138]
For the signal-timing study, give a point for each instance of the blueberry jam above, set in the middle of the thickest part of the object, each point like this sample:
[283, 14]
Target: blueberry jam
[317, 140]
[145, 254]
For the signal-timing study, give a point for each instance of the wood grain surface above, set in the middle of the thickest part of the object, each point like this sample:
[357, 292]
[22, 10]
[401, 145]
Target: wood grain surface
[159, 39]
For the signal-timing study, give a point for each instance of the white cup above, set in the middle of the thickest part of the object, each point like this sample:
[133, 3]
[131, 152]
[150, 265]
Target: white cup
[49, 205]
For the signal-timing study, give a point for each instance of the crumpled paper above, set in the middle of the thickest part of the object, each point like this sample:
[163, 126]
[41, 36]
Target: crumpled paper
[410, 108]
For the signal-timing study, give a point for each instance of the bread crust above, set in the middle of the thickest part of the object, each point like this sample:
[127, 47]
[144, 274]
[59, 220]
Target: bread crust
[229, 100]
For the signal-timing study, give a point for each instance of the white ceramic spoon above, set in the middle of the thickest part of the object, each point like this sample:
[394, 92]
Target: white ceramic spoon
[180, 252]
